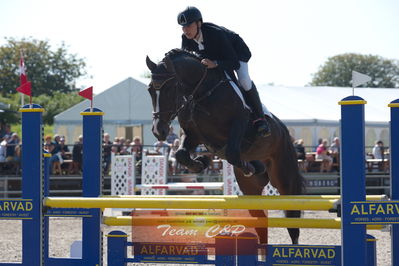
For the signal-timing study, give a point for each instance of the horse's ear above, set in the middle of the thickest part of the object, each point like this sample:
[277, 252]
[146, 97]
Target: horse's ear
[151, 65]
[169, 65]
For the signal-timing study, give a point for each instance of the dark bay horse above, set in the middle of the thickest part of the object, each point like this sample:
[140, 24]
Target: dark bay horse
[210, 112]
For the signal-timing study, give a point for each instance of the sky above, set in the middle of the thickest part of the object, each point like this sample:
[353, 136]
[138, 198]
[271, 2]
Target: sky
[289, 39]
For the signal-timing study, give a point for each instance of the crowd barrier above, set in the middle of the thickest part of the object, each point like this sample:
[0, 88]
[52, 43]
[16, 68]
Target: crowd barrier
[35, 206]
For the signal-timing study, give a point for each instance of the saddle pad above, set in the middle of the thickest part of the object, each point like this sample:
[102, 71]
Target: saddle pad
[239, 93]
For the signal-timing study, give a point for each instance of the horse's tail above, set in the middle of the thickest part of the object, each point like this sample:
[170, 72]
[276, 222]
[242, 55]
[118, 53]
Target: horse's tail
[295, 182]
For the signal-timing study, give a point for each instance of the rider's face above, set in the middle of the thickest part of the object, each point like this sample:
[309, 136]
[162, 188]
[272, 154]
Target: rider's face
[190, 31]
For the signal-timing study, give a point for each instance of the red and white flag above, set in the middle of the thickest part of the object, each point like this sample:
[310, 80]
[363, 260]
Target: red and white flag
[22, 71]
[25, 85]
[87, 93]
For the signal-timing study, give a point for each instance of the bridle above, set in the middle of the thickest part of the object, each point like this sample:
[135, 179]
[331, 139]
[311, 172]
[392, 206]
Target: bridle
[190, 100]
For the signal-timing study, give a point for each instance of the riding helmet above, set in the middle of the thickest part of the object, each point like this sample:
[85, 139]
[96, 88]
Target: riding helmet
[188, 16]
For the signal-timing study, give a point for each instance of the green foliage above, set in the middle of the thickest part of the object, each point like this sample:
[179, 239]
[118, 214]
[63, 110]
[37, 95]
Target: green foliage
[52, 105]
[337, 71]
[56, 104]
[49, 70]
[17, 128]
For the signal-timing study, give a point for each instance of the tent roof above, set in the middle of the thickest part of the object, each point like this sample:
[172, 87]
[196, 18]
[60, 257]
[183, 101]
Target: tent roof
[129, 101]
[303, 103]
[124, 102]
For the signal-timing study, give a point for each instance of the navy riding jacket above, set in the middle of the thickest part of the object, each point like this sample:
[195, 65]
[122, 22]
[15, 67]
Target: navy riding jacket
[221, 45]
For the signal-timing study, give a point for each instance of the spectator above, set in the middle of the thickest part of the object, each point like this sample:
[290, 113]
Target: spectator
[161, 147]
[12, 142]
[116, 145]
[3, 148]
[334, 148]
[171, 136]
[107, 144]
[6, 131]
[55, 159]
[319, 141]
[334, 152]
[378, 150]
[77, 156]
[63, 148]
[322, 154]
[300, 149]
[137, 148]
[48, 140]
[126, 149]
[172, 156]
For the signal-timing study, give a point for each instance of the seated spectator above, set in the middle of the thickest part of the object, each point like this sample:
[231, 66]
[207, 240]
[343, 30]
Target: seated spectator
[126, 149]
[107, 151]
[63, 148]
[77, 156]
[319, 141]
[137, 148]
[301, 155]
[322, 154]
[300, 149]
[12, 143]
[55, 159]
[116, 146]
[3, 148]
[161, 148]
[334, 148]
[47, 140]
[171, 136]
[334, 152]
[172, 156]
[378, 150]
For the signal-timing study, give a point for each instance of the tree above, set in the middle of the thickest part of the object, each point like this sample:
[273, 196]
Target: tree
[337, 71]
[48, 70]
[52, 105]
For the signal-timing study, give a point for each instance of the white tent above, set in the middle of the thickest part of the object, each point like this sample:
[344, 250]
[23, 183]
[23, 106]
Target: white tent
[313, 112]
[310, 113]
[127, 107]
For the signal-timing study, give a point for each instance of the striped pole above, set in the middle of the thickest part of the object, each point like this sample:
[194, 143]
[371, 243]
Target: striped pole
[353, 180]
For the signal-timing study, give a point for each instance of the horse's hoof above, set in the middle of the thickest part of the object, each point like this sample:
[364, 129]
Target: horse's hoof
[205, 160]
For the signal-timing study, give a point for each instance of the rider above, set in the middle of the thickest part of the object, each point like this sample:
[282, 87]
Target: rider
[225, 49]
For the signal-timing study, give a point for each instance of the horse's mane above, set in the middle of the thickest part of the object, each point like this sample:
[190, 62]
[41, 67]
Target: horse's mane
[172, 54]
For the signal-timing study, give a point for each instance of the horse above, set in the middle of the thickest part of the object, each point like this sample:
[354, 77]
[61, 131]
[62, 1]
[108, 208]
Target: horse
[212, 113]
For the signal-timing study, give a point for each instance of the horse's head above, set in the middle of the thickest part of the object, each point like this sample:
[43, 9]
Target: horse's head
[171, 79]
[163, 91]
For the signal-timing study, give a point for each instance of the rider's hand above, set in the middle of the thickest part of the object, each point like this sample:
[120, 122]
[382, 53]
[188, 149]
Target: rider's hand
[209, 63]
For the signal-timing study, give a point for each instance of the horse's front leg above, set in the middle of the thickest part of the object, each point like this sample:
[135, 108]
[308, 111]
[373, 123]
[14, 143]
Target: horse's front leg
[233, 150]
[183, 157]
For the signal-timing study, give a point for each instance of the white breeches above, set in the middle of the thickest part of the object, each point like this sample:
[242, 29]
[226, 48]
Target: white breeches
[243, 76]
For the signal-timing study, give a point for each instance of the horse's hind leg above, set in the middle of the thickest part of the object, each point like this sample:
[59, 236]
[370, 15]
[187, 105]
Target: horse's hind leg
[254, 186]
[287, 179]
[293, 232]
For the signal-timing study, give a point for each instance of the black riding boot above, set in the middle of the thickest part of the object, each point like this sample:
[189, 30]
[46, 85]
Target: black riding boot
[260, 123]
